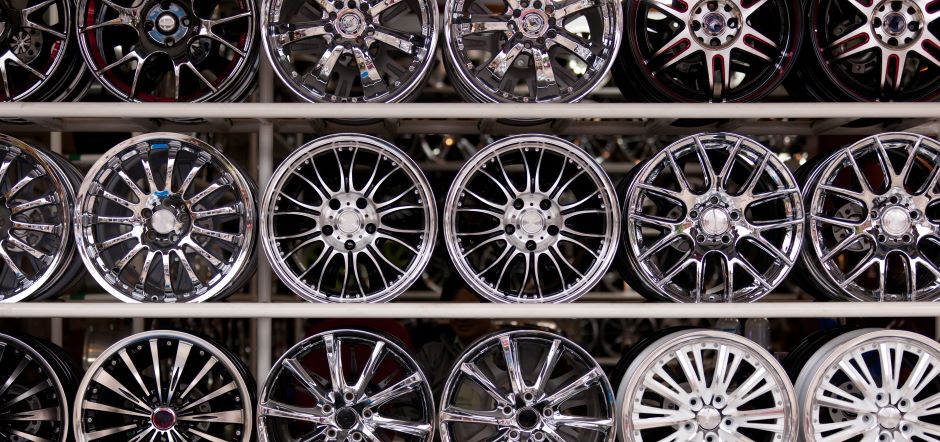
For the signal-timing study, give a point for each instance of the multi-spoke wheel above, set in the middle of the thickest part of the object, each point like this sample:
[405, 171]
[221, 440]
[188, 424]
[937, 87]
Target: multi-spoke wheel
[538, 51]
[706, 385]
[37, 384]
[527, 386]
[733, 237]
[871, 384]
[531, 218]
[176, 50]
[329, 51]
[348, 218]
[874, 219]
[165, 385]
[708, 50]
[346, 385]
[166, 218]
[37, 197]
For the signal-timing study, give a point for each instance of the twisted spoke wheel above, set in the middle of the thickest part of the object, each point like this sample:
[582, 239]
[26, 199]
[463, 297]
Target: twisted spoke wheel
[538, 51]
[33, 40]
[871, 385]
[177, 50]
[166, 218]
[732, 238]
[879, 50]
[875, 219]
[367, 50]
[346, 385]
[527, 386]
[165, 385]
[531, 219]
[706, 385]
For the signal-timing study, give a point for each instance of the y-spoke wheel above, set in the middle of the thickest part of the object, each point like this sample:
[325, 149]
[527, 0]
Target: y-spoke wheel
[165, 385]
[872, 385]
[708, 50]
[166, 218]
[530, 51]
[733, 237]
[170, 50]
[336, 50]
[874, 219]
[531, 219]
[346, 385]
[348, 218]
[35, 40]
[706, 385]
[527, 386]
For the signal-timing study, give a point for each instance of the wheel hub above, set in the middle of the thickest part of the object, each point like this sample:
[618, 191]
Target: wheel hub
[347, 418]
[716, 24]
[896, 221]
[26, 44]
[715, 221]
[167, 25]
[163, 221]
[350, 23]
[533, 23]
[889, 417]
[897, 24]
[349, 221]
[163, 418]
[532, 222]
[708, 418]
[528, 419]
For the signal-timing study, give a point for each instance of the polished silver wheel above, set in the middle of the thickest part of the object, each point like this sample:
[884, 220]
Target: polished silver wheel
[348, 218]
[732, 238]
[531, 218]
[871, 385]
[34, 39]
[176, 50]
[538, 51]
[874, 223]
[346, 385]
[527, 386]
[329, 51]
[168, 386]
[166, 218]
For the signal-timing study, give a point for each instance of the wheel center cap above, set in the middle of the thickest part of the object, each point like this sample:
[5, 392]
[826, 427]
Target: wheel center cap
[350, 24]
[895, 23]
[715, 221]
[708, 418]
[896, 221]
[163, 419]
[347, 418]
[527, 418]
[167, 23]
[163, 221]
[531, 222]
[889, 417]
[348, 221]
[714, 23]
[533, 23]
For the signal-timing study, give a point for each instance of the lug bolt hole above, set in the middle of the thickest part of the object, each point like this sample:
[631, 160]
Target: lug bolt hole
[906, 238]
[510, 229]
[553, 230]
[530, 245]
[146, 213]
[370, 228]
[350, 244]
[349, 396]
[548, 412]
[528, 397]
[335, 204]
[713, 200]
[693, 214]
[700, 238]
[518, 204]
[735, 215]
[545, 204]
[331, 433]
[893, 200]
[914, 214]
[361, 203]
[327, 230]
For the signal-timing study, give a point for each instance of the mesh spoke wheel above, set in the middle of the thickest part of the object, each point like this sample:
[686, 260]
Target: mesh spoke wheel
[538, 51]
[875, 219]
[167, 218]
[531, 219]
[527, 386]
[709, 386]
[33, 42]
[871, 385]
[346, 385]
[349, 218]
[367, 50]
[165, 385]
[713, 217]
[177, 50]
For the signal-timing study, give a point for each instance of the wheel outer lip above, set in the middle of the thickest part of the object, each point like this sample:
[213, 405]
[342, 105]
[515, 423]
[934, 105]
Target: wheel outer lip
[568, 150]
[246, 191]
[384, 148]
[216, 350]
[404, 94]
[656, 350]
[50, 374]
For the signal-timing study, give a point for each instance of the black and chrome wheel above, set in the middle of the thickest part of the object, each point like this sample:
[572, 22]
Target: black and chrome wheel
[531, 218]
[335, 51]
[527, 385]
[348, 218]
[522, 51]
[34, 39]
[165, 385]
[346, 385]
[705, 385]
[872, 384]
[165, 217]
[708, 50]
[734, 237]
[177, 50]
[874, 220]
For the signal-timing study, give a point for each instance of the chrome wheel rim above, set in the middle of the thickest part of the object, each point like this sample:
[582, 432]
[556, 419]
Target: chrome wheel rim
[34, 402]
[349, 218]
[873, 220]
[153, 50]
[744, 225]
[318, 391]
[166, 218]
[329, 51]
[199, 390]
[521, 220]
[559, 50]
[706, 385]
[34, 37]
[527, 386]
